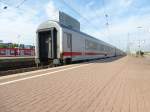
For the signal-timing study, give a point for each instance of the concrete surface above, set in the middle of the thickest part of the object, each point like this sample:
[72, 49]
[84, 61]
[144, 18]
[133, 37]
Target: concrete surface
[121, 85]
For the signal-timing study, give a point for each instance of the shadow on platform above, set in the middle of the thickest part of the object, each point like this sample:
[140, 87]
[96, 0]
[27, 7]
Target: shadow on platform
[109, 59]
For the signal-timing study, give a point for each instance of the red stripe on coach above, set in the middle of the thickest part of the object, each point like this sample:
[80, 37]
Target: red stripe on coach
[72, 53]
[80, 53]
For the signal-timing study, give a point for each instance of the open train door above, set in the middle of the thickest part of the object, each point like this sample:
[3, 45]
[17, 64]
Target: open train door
[47, 45]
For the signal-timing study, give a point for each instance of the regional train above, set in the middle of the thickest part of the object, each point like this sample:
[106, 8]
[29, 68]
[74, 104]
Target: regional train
[15, 52]
[58, 43]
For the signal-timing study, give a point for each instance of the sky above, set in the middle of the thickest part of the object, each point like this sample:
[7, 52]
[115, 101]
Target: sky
[128, 20]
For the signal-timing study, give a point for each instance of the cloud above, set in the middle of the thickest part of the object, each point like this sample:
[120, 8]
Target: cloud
[126, 3]
[24, 21]
[90, 4]
[119, 31]
[124, 17]
[16, 22]
[51, 10]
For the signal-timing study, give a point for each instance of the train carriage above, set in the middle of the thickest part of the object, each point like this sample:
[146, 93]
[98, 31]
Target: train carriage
[15, 52]
[62, 44]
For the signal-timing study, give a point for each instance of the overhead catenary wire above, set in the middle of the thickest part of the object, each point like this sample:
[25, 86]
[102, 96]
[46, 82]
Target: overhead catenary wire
[89, 22]
[10, 5]
[78, 13]
[6, 5]
[106, 16]
[18, 7]
[21, 3]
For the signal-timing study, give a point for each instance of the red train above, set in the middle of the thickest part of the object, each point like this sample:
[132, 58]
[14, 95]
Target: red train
[15, 52]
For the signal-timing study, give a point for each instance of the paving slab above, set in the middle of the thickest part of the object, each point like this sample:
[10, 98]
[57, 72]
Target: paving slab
[113, 86]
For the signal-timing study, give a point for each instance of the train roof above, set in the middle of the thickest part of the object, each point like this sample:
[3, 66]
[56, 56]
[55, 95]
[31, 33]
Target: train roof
[50, 23]
[80, 32]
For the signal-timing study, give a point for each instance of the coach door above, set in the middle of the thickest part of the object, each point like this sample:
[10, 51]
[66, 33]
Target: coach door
[54, 43]
[69, 43]
[45, 45]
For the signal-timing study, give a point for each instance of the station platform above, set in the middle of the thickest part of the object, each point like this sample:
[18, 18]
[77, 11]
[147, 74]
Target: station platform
[111, 85]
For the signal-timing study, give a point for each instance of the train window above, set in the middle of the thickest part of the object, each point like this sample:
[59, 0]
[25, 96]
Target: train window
[106, 49]
[69, 36]
[2, 52]
[86, 44]
[27, 52]
[12, 52]
[101, 47]
[91, 45]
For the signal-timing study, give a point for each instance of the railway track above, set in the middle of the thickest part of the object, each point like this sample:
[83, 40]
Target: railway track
[13, 67]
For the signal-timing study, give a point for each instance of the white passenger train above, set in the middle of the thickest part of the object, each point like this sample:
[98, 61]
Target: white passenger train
[62, 44]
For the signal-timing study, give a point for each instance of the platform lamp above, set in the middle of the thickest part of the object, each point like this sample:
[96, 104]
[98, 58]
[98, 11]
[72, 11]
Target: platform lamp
[139, 41]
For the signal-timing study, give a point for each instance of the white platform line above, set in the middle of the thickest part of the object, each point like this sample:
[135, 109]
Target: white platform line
[42, 70]
[31, 77]
[31, 72]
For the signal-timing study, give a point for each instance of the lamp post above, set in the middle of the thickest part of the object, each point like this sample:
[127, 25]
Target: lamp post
[139, 41]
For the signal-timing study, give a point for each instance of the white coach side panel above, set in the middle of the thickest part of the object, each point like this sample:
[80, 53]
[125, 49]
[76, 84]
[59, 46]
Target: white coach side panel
[77, 45]
[80, 50]
[66, 42]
